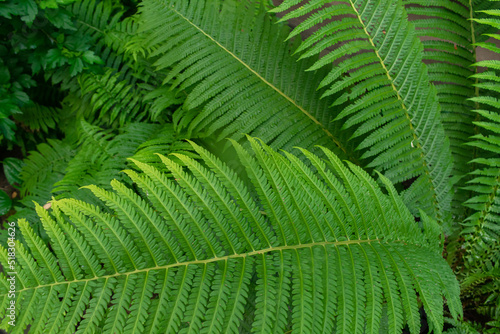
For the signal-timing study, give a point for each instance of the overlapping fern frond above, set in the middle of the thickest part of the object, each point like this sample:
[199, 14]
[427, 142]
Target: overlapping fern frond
[384, 91]
[39, 117]
[486, 183]
[480, 272]
[122, 91]
[484, 224]
[41, 170]
[59, 168]
[101, 155]
[112, 99]
[449, 54]
[165, 140]
[229, 57]
[318, 251]
[49, 158]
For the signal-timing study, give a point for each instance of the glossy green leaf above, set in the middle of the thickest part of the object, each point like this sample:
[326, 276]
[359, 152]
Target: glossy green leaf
[12, 169]
[5, 203]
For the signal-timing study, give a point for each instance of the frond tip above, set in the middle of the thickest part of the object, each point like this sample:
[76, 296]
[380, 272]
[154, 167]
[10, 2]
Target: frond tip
[199, 251]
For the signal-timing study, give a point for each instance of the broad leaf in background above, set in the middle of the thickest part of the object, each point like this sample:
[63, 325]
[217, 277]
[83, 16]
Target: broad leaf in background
[12, 168]
[5, 203]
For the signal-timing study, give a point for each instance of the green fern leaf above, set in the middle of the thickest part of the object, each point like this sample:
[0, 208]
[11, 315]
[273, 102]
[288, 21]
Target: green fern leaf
[40, 171]
[196, 252]
[481, 228]
[384, 90]
[48, 158]
[233, 69]
[112, 98]
[123, 90]
[478, 263]
[101, 155]
[38, 117]
[449, 56]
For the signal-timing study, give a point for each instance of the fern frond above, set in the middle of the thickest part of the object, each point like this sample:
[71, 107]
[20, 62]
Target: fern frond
[48, 157]
[461, 327]
[235, 69]
[384, 90]
[481, 228]
[165, 139]
[39, 117]
[42, 168]
[91, 20]
[195, 251]
[112, 99]
[121, 91]
[101, 155]
[449, 56]
[59, 169]
[481, 258]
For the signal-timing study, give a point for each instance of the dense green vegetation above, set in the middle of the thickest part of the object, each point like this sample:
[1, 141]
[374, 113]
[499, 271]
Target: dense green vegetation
[199, 166]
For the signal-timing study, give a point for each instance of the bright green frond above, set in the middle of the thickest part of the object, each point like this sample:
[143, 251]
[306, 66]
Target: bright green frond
[198, 250]
[449, 53]
[478, 266]
[383, 89]
[239, 73]
[481, 228]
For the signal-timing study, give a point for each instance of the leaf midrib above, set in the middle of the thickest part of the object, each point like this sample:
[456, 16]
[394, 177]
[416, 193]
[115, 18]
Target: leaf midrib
[405, 110]
[213, 259]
